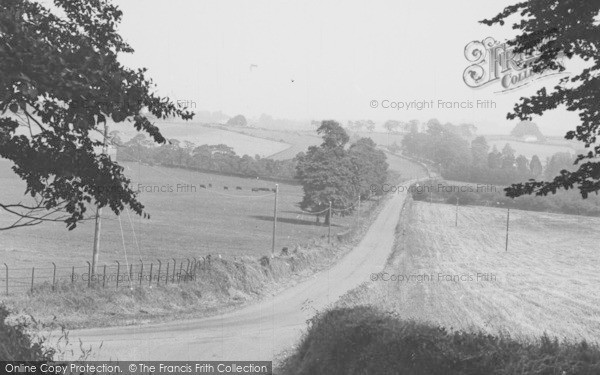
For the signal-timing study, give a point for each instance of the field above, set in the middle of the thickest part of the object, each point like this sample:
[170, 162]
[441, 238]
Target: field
[182, 224]
[528, 149]
[200, 134]
[297, 141]
[463, 278]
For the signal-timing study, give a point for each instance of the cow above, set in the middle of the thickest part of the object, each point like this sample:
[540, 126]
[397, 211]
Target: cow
[263, 189]
[209, 185]
[274, 190]
[203, 187]
[254, 190]
[225, 188]
[238, 188]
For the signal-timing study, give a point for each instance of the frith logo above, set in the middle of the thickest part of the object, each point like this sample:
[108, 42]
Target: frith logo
[494, 61]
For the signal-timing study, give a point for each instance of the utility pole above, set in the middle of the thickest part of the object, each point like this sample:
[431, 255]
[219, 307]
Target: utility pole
[507, 221]
[96, 249]
[456, 219]
[274, 221]
[329, 221]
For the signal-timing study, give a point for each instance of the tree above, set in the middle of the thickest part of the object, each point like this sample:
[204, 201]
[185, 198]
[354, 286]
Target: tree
[330, 173]
[60, 77]
[522, 166]
[392, 126]
[535, 166]
[238, 120]
[568, 29]
[479, 150]
[508, 157]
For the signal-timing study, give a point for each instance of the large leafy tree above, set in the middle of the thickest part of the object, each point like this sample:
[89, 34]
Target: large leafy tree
[332, 173]
[571, 29]
[61, 81]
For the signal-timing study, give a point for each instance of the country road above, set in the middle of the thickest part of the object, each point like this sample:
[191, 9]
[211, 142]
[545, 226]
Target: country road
[259, 331]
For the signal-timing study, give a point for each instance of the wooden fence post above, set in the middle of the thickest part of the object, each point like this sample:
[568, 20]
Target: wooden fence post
[167, 278]
[6, 265]
[118, 272]
[141, 271]
[53, 276]
[89, 275]
[150, 278]
[32, 277]
[158, 276]
[104, 277]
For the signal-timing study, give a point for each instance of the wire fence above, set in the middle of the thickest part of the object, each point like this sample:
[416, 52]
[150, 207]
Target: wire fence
[116, 275]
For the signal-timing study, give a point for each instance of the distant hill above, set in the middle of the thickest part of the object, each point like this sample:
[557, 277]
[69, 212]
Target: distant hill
[528, 131]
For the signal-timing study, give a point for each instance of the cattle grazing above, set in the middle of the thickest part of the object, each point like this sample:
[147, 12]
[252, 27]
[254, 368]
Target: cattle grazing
[264, 189]
[254, 190]
[238, 188]
[203, 187]
[274, 190]
[225, 188]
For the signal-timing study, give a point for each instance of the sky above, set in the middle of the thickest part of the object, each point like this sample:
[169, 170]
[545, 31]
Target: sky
[313, 60]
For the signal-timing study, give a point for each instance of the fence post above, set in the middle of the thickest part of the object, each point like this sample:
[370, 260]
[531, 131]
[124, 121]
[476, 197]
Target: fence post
[73, 275]
[118, 272]
[187, 268]
[53, 276]
[6, 265]
[158, 277]
[32, 276]
[150, 278]
[130, 273]
[195, 267]
[89, 272]
[167, 279]
[141, 271]
[104, 277]
[180, 272]
[174, 271]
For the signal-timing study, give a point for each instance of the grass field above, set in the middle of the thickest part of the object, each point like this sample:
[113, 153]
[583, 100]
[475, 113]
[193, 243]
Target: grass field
[200, 134]
[182, 224]
[528, 149]
[546, 282]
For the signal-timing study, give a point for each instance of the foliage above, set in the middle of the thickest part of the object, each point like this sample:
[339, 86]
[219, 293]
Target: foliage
[332, 173]
[209, 158]
[525, 128]
[61, 79]
[238, 120]
[565, 202]
[555, 30]
[16, 344]
[365, 340]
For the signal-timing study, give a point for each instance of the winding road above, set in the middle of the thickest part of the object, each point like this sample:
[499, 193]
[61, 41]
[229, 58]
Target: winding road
[259, 331]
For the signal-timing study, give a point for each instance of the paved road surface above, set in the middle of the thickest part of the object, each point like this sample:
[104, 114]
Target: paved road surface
[259, 331]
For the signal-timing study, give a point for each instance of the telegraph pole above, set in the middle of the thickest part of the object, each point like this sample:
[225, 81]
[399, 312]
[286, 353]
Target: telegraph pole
[96, 249]
[456, 219]
[329, 230]
[274, 221]
[507, 221]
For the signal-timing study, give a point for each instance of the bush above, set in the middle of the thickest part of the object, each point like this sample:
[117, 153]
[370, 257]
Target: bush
[17, 345]
[364, 340]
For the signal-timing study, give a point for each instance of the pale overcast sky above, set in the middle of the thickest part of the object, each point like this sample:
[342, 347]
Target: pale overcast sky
[241, 57]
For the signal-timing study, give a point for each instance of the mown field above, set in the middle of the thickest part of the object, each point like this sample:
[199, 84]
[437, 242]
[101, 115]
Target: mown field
[546, 282]
[182, 224]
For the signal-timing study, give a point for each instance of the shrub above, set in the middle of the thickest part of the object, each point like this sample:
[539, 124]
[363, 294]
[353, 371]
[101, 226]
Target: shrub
[364, 340]
[16, 344]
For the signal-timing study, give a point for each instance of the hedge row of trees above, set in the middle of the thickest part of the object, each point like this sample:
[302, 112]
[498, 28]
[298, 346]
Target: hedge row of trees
[457, 159]
[211, 158]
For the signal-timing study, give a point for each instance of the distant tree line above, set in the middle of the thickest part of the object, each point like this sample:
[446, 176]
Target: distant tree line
[458, 159]
[210, 158]
[337, 173]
